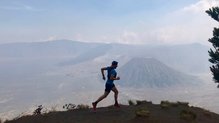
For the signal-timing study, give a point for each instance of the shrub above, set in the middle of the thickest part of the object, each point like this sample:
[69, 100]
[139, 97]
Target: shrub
[183, 103]
[54, 108]
[165, 104]
[82, 106]
[139, 102]
[174, 104]
[187, 115]
[69, 106]
[131, 102]
[38, 110]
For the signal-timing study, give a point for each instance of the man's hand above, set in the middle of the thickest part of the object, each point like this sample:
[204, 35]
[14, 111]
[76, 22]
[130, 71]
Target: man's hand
[104, 78]
[102, 71]
[114, 78]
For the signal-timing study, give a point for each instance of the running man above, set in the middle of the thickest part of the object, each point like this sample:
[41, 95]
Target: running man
[111, 76]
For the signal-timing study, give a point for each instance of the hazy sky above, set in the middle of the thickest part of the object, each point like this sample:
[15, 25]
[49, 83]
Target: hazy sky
[121, 21]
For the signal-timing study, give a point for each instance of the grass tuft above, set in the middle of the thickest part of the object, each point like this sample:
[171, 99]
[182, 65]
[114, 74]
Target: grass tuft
[165, 104]
[82, 106]
[187, 115]
[143, 112]
[69, 106]
[54, 108]
[139, 102]
[131, 102]
[38, 110]
[183, 103]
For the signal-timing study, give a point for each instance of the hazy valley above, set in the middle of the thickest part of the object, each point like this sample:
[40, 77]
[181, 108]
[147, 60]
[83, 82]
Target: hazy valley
[58, 72]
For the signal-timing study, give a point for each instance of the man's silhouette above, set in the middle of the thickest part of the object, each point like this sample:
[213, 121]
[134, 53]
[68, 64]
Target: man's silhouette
[111, 76]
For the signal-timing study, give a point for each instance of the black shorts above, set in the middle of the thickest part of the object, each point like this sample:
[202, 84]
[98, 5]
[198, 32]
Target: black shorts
[108, 87]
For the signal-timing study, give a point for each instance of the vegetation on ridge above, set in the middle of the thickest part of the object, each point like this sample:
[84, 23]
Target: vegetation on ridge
[137, 111]
[214, 53]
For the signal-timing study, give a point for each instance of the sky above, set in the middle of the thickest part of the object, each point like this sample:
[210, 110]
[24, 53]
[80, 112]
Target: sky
[107, 21]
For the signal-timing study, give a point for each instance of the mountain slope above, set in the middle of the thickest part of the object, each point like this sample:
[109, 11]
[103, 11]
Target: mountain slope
[149, 72]
[145, 112]
[88, 54]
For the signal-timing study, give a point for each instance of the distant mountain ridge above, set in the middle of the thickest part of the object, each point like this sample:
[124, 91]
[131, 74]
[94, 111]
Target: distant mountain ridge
[149, 72]
[192, 58]
[45, 49]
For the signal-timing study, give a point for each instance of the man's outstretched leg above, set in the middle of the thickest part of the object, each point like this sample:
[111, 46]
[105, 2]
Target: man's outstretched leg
[116, 92]
[99, 99]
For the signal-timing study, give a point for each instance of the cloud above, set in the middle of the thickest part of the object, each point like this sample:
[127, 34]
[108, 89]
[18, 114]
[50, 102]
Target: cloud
[189, 24]
[52, 38]
[149, 36]
[201, 6]
[49, 38]
[79, 37]
[129, 37]
[180, 34]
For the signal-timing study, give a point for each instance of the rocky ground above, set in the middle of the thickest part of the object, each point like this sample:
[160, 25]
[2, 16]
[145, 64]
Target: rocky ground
[140, 112]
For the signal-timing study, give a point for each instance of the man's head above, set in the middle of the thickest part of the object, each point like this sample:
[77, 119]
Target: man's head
[114, 64]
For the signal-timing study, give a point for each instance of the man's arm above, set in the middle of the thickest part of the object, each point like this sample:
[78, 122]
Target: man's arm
[102, 71]
[114, 78]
